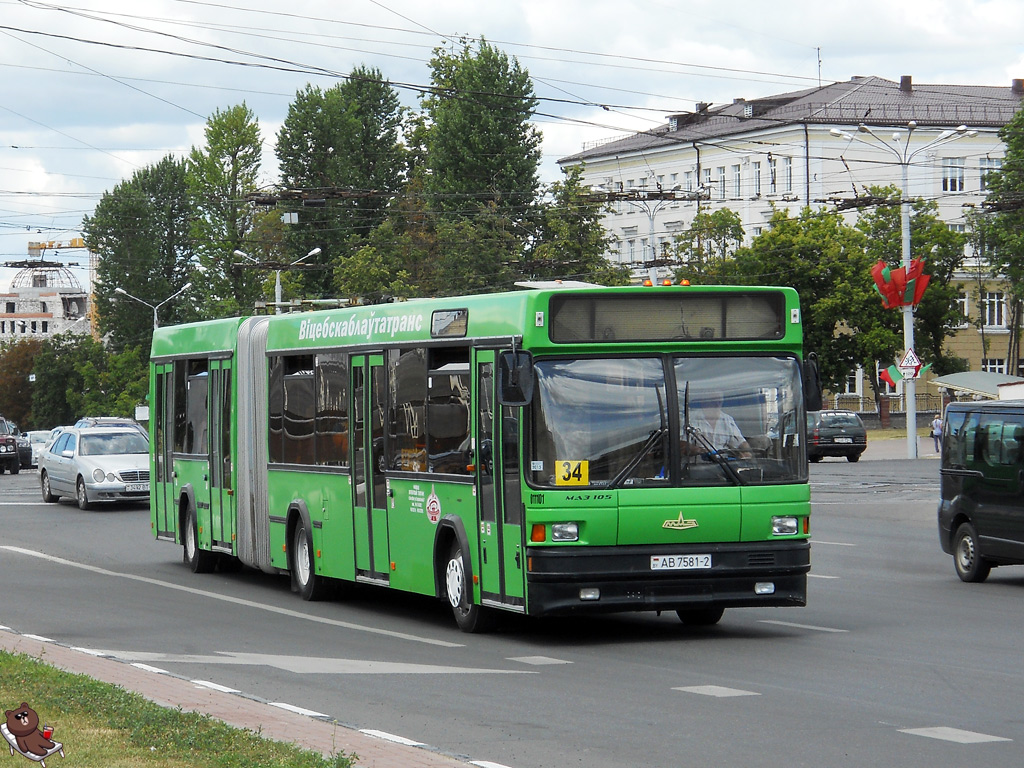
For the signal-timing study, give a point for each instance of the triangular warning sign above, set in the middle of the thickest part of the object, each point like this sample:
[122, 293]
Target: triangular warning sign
[910, 360]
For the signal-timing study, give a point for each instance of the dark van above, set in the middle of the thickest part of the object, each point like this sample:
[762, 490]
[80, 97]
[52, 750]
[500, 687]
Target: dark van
[981, 511]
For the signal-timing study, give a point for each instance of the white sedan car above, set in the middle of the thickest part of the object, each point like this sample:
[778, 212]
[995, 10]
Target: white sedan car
[96, 464]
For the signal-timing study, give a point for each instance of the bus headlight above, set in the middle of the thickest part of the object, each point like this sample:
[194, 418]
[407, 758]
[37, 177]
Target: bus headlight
[565, 532]
[784, 526]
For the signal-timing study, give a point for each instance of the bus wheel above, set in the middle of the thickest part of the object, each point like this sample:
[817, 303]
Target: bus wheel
[199, 560]
[700, 617]
[970, 565]
[307, 583]
[469, 617]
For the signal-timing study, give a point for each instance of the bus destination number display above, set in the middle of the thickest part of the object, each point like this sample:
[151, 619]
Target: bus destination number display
[680, 562]
[572, 473]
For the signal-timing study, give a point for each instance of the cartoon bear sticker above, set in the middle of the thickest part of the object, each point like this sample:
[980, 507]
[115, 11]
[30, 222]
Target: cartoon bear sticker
[22, 733]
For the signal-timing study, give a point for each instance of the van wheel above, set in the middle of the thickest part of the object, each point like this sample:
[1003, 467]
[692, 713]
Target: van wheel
[700, 617]
[469, 617]
[970, 565]
[198, 560]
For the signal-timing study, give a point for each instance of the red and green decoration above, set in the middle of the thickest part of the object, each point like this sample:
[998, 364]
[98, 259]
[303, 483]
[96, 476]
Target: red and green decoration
[892, 374]
[900, 287]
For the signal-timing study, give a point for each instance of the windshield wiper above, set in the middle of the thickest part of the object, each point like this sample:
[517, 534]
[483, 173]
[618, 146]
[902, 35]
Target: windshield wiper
[714, 454]
[646, 448]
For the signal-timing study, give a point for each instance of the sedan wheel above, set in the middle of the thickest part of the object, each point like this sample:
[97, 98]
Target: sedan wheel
[82, 495]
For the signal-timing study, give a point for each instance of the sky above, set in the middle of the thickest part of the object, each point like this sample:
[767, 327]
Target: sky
[91, 91]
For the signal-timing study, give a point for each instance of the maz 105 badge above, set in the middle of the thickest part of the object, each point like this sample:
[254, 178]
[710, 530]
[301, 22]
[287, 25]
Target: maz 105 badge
[572, 473]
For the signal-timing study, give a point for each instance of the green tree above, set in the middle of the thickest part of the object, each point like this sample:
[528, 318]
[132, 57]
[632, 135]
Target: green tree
[17, 361]
[57, 398]
[113, 384]
[343, 147]
[141, 233]
[572, 241]
[220, 176]
[711, 237]
[483, 153]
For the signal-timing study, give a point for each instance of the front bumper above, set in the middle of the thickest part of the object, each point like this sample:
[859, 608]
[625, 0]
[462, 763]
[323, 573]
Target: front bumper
[626, 582]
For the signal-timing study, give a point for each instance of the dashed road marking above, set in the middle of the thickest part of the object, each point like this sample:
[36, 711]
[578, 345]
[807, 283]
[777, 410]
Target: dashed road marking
[214, 686]
[537, 660]
[297, 710]
[391, 737]
[801, 626]
[715, 690]
[957, 735]
[148, 668]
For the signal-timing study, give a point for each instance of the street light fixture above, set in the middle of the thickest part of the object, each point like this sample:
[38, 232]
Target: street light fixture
[904, 156]
[156, 322]
[277, 280]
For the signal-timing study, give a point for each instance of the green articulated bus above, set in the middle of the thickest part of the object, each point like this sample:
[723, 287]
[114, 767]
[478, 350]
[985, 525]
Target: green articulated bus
[552, 450]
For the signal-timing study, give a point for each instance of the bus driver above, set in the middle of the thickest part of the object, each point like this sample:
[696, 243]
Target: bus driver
[718, 428]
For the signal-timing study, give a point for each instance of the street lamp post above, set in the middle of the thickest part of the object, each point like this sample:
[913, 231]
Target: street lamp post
[154, 307]
[904, 156]
[277, 279]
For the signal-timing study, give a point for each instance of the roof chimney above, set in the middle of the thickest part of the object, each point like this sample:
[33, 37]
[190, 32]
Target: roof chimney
[906, 85]
[1017, 86]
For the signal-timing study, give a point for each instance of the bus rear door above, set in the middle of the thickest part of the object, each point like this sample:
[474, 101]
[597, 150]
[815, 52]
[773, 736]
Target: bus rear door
[499, 492]
[161, 487]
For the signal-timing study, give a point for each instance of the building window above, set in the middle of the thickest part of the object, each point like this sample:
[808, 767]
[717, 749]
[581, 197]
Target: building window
[852, 382]
[963, 307]
[631, 246]
[993, 309]
[757, 231]
[737, 182]
[755, 172]
[10, 308]
[952, 174]
[707, 181]
[688, 181]
[993, 365]
[773, 186]
[884, 387]
[787, 174]
[721, 182]
[988, 165]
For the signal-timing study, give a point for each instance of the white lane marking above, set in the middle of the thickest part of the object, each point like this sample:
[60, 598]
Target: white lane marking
[214, 686]
[297, 710]
[391, 737]
[487, 764]
[89, 651]
[833, 543]
[715, 690]
[233, 600]
[801, 626]
[537, 660]
[953, 734]
[309, 665]
[40, 638]
[819, 576]
[148, 668]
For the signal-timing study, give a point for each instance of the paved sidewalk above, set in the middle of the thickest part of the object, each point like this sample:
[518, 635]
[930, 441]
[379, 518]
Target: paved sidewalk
[889, 448]
[309, 731]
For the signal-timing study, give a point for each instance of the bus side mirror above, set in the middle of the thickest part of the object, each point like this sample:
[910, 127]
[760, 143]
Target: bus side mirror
[515, 378]
[812, 383]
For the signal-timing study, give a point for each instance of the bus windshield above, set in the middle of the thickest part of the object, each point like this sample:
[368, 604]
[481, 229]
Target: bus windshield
[667, 421]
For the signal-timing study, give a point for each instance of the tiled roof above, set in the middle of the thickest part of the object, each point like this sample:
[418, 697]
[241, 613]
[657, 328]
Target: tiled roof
[874, 101]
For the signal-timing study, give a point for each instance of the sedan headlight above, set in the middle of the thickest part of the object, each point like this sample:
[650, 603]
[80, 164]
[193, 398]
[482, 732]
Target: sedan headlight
[98, 475]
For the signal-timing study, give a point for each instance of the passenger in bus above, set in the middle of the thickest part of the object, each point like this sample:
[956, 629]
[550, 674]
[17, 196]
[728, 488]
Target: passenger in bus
[717, 427]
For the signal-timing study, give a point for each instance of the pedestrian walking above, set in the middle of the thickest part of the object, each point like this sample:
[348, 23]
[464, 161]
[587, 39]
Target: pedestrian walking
[937, 432]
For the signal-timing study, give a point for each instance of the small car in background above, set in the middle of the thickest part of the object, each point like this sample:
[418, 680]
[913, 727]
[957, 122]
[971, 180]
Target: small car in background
[8, 448]
[38, 439]
[24, 447]
[96, 464]
[835, 433]
[108, 421]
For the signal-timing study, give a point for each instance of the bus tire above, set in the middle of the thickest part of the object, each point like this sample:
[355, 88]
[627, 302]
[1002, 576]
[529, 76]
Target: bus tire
[469, 617]
[304, 577]
[197, 559]
[700, 617]
[44, 483]
[970, 565]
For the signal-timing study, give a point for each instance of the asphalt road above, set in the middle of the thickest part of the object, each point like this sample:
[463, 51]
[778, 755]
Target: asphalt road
[893, 662]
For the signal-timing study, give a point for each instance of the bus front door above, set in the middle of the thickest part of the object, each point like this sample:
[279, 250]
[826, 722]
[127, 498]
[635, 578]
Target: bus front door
[222, 499]
[499, 493]
[161, 481]
[369, 485]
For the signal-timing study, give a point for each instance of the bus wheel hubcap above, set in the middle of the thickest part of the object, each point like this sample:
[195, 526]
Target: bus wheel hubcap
[455, 581]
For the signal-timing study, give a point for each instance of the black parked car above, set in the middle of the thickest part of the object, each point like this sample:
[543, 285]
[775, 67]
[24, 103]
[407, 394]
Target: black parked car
[835, 433]
[9, 459]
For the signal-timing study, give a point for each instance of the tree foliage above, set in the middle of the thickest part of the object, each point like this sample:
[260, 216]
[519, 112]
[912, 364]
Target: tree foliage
[220, 175]
[17, 362]
[141, 232]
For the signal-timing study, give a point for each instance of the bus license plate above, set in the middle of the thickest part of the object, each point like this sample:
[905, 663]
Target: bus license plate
[136, 487]
[679, 562]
